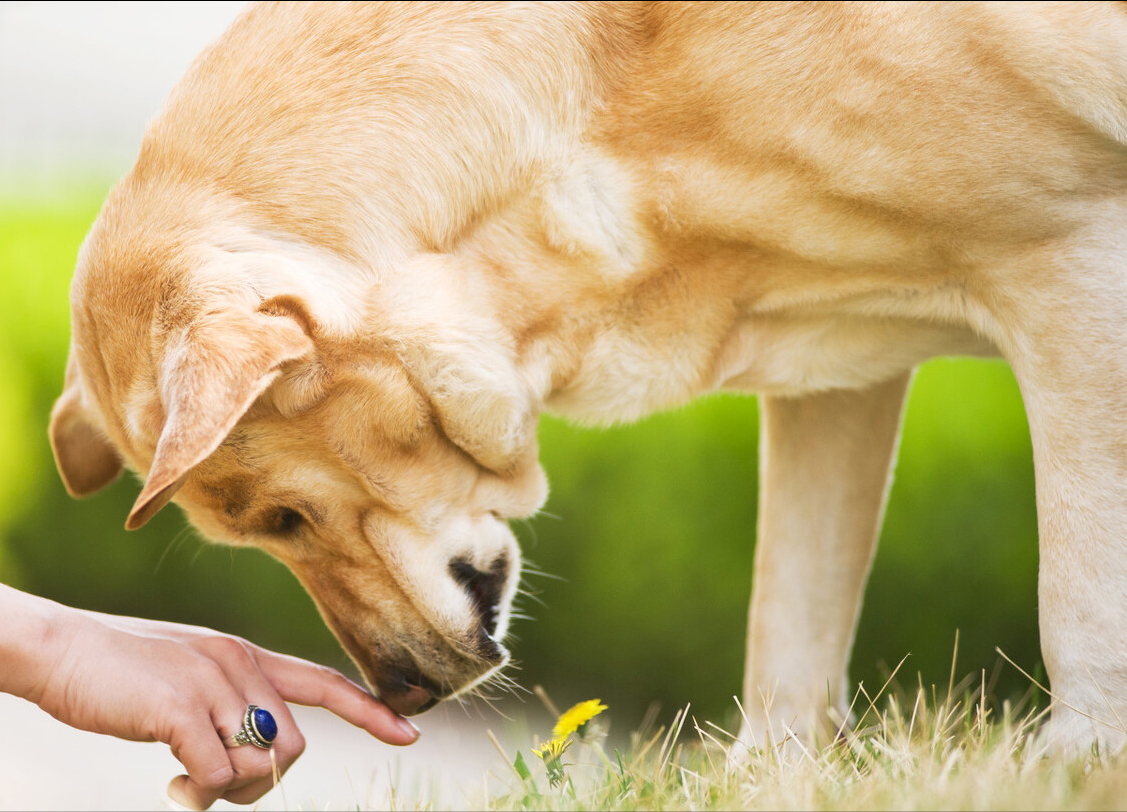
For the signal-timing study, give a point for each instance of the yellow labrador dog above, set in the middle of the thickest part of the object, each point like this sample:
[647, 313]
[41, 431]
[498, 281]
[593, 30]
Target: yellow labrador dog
[364, 246]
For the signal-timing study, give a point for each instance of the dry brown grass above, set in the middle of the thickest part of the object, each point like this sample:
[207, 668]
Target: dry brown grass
[910, 749]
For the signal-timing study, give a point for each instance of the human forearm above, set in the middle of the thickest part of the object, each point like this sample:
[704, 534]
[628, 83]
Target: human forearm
[33, 639]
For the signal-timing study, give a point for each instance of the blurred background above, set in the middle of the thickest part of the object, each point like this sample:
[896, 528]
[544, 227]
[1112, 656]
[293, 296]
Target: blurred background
[648, 535]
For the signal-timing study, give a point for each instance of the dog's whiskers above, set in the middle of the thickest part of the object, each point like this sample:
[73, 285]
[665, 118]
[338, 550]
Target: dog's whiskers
[175, 542]
[531, 568]
[532, 596]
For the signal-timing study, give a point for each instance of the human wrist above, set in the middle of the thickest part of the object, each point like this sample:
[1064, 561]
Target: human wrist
[32, 641]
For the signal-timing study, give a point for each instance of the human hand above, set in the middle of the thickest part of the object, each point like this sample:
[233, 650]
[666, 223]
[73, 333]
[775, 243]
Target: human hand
[189, 687]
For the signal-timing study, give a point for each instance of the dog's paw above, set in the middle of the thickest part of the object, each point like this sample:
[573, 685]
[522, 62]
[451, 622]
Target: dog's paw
[1070, 734]
[781, 737]
[748, 753]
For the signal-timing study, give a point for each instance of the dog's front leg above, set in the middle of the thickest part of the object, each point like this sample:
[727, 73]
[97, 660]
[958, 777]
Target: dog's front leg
[1067, 344]
[824, 472]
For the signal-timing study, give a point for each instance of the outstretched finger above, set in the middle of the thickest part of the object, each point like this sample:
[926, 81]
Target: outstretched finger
[305, 683]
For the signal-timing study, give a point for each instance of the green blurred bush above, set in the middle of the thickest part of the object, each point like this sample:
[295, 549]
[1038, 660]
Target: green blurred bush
[647, 536]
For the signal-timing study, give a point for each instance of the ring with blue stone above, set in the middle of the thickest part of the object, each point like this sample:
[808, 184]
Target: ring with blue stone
[259, 728]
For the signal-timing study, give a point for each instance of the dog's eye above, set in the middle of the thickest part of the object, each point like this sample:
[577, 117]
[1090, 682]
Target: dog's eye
[285, 521]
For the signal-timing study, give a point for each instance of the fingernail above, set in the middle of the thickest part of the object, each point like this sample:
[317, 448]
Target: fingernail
[408, 728]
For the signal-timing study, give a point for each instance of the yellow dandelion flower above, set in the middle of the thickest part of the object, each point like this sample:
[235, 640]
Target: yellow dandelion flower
[551, 753]
[576, 716]
[553, 749]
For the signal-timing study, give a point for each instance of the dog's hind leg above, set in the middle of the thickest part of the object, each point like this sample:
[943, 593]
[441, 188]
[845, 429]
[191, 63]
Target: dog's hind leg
[825, 460]
[1062, 313]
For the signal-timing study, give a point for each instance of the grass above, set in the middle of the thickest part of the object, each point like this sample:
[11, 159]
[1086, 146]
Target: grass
[908, 750]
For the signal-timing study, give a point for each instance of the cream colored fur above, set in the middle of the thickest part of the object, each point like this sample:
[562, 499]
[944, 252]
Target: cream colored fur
[364, 247]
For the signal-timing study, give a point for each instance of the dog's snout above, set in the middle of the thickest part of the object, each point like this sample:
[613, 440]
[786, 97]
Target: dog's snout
[484, 588]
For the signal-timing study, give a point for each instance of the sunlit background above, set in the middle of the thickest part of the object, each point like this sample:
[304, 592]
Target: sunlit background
[648, 537]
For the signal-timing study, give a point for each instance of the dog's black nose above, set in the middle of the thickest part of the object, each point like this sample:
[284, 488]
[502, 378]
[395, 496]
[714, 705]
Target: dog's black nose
[484, 588]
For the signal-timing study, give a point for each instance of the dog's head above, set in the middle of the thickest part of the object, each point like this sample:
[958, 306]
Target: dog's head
[376, 446]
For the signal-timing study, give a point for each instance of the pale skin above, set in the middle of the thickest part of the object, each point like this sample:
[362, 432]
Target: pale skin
[186, 686]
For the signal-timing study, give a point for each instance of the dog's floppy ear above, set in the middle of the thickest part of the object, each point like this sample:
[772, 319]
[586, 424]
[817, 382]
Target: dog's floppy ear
[210, 376]
[85, 459]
